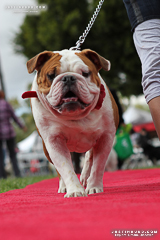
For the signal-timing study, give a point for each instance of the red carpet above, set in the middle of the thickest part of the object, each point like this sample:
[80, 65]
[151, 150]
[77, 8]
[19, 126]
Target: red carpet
[131, 202]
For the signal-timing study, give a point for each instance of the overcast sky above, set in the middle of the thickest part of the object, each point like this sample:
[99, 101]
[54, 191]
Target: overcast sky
[15, 75]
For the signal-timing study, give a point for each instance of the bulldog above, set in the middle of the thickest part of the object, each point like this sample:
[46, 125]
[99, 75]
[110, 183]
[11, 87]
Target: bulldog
[74, 111]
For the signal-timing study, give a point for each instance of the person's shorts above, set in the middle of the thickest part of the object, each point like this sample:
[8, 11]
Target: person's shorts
[147, 42]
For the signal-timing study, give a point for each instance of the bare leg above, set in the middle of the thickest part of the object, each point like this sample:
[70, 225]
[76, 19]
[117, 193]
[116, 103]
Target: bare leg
[154, 106]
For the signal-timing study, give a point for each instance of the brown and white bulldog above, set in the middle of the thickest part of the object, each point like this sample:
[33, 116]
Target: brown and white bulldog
[74, 111]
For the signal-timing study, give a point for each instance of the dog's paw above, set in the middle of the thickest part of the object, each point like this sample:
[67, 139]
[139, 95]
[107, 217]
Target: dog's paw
[62, 186]
[62, 190]
[94, 190]
[75, 194]
[78, 191]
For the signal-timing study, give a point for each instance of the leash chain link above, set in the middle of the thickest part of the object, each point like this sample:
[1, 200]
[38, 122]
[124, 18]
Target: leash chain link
[88, 28]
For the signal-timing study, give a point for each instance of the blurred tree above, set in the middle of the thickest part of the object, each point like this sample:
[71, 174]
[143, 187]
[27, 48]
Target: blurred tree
[27, 118]
[27, 101]
[142, 107]
[113, 39]
[29, 123]
[57, 28]
[64, 21]
[2, 80]
[15, 103]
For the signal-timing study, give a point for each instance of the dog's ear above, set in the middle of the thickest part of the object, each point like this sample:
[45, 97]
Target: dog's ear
[36, 62]
[98, 60]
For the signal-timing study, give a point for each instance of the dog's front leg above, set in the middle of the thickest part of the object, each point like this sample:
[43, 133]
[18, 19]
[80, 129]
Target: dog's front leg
[100, 155]
[62, 186]
[60, 156]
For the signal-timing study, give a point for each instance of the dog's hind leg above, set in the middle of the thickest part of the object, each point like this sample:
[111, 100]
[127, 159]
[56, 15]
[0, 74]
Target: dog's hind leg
[87, 167]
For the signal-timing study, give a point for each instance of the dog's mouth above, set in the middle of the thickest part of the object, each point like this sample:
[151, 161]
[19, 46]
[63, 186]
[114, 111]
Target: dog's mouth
[71, 102]
[69, 97]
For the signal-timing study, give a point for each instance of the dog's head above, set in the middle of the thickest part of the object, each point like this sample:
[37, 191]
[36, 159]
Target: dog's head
[68, 81]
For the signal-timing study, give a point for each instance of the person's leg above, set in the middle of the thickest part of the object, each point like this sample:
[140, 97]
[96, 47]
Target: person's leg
[147, 42]
[12, 153]
[154, 106]
[2, 170]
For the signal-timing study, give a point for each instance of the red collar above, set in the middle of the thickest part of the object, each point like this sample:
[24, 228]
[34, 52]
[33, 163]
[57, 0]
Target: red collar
[33, 94]
[101, 97]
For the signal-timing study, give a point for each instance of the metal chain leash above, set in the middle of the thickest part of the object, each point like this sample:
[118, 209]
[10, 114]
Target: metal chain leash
[88, 28]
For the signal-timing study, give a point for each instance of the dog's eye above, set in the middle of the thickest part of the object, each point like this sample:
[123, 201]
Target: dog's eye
[51, 76]
[86, 74]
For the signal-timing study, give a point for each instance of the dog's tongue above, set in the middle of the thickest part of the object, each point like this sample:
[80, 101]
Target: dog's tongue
[72, 99]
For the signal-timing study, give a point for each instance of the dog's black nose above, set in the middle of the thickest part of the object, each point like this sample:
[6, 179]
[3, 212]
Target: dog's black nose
[68, 79]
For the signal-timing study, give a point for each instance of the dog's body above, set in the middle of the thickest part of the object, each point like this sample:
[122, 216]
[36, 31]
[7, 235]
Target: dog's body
[72, 116]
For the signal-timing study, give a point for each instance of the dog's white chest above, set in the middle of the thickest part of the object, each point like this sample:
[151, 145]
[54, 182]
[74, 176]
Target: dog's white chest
[82, 141]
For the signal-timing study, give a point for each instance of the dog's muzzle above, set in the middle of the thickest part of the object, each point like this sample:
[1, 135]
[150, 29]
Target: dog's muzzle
[68, 80]
[71, 99]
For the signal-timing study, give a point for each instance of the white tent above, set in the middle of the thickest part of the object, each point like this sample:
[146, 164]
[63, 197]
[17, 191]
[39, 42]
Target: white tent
[31, 156]
[32, 143]
[136, 116]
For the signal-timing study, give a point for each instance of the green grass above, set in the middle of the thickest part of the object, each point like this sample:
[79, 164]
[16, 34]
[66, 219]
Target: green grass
[17, 183]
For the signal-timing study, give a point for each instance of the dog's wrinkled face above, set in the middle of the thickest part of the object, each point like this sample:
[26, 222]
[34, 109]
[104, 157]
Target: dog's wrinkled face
[68, 81]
